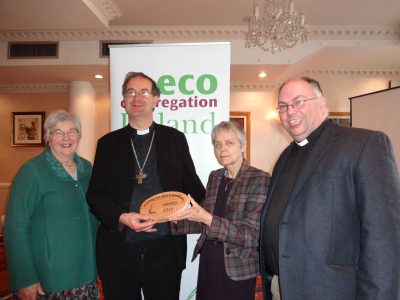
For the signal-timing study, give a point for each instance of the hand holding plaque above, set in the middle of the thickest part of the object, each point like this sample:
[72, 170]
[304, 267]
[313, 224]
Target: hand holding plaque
[161, 206]
[195, 213]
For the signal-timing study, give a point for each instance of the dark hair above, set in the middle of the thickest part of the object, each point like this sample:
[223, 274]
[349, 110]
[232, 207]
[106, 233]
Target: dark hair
[312, 82]
[155, 91]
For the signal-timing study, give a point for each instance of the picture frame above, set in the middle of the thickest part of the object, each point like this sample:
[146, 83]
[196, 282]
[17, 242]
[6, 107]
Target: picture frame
[242, 118]
[340, 118]
[27, 129]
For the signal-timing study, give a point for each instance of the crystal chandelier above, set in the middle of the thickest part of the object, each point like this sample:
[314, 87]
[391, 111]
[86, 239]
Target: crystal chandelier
[278, 28]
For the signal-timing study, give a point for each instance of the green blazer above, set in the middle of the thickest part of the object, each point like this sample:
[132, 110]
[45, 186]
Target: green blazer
[49, 230]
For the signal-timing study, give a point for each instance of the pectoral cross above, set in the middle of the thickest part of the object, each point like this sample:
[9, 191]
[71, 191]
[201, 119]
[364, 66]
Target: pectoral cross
[140, 176]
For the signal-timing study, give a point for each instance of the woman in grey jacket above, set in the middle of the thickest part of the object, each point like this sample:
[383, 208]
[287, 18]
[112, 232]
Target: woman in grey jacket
[228, 221]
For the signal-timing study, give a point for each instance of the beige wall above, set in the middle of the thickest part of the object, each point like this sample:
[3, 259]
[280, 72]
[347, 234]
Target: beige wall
[103, 123]
[11, 158]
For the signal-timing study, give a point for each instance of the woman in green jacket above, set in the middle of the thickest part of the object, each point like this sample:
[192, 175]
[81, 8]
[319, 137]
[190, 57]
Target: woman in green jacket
[49, 230]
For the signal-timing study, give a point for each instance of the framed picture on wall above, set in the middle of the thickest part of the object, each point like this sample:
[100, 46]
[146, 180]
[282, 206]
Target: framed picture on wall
[27, 129]
[340, 118]
[243, 120]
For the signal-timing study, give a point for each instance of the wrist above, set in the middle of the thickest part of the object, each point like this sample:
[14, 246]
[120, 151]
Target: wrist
[121, 218]
[208, 220]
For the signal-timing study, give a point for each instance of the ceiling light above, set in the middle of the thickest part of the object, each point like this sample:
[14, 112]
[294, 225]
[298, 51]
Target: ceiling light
[278, 27]
[262, 74]
[98, 76]
[272, 116]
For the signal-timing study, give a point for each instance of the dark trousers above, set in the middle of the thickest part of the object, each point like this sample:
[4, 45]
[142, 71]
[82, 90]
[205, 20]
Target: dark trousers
[148, 266]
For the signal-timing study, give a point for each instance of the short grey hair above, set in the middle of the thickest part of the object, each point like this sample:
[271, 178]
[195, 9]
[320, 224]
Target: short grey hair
[316, 87]
[59, 116]
[229, 126]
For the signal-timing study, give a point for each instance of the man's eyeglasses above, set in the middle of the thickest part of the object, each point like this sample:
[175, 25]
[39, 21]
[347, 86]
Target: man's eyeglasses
[296, 104]
[133, 93]
[71, 133]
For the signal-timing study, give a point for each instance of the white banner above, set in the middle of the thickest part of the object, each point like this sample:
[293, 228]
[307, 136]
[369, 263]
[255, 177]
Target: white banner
[194, 80]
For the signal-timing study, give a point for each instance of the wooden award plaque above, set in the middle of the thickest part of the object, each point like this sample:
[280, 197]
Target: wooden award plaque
[161, 206]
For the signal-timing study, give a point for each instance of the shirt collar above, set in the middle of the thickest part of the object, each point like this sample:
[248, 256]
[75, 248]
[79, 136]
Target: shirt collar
[134, 131]
[314, 135]
[302, 143]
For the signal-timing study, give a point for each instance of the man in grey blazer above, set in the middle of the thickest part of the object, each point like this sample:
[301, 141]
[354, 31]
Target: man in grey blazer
[330, 228]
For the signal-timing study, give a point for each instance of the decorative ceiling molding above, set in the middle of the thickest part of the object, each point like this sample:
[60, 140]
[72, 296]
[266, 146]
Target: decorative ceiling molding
[39, 87]
[104, 10]
[354, 32]
[178, 33]
[355, 72]
[251, 86]
[44, 87]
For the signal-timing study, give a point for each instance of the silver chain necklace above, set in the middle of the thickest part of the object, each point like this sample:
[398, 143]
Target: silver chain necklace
[140, 176]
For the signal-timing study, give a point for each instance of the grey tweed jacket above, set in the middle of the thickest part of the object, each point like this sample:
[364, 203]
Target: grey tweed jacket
[239, 228]
[339, 235]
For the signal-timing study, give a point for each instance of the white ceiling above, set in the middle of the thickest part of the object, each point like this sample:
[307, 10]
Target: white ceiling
[75, 14]
[345, 35]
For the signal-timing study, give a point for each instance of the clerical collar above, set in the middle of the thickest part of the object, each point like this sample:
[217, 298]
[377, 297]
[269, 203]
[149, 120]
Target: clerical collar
[313, 136]
[141, 132]
[302, 143]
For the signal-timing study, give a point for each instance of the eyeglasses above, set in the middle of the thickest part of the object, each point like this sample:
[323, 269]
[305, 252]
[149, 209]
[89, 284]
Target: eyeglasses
[133, 93]
[296, 104]
[70, 133]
